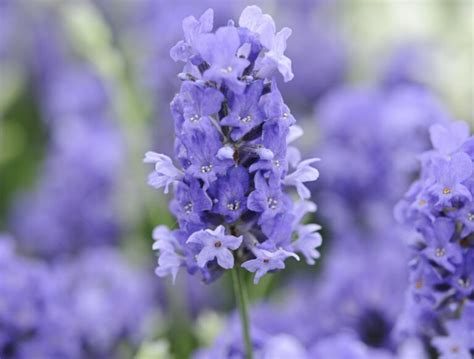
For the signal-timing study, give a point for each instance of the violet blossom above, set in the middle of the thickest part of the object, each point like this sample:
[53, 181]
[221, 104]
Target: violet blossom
[231, 154]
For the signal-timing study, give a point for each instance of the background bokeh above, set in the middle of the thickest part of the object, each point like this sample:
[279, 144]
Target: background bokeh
[85, 88]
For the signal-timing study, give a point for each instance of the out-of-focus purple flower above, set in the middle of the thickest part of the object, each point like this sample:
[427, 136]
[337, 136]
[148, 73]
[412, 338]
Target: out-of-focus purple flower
[170, 260]
[267, 345]
[346, 346]
[449, 138]
[232, 133]
[72, 206]
[35, 317]
[442, 265]
[408, 64]
[459, 341]
[317, 50]
[94, 280]
[375, 136]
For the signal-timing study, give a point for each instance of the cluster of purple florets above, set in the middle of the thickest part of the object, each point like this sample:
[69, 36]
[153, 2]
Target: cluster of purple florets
[440, 206]
[233, 159]
[65, 311]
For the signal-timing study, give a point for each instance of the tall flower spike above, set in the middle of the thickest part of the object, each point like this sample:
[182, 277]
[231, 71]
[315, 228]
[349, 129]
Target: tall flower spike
[231, 163]
[439, 207]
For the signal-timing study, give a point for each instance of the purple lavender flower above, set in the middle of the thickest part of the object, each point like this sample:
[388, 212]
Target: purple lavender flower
[71, 208]
[375, 136]
[448, 177]
[440, 249]
[65, 311]
[245, 112]
[93, 281]
[165, 172]
[153, 25]
[268, 199]
[215, 245]
[408, 64]
[459, 341]
[192, 28]
[448, 139]
[266, 261]
[308, 239]
[219, 51]
[199, 104]
[35, 317]
[169, 260]
[230, 192]
[436, 207]
[318, 51]
[232, 134]
[346, 346]
[466, 217]
[263, 25]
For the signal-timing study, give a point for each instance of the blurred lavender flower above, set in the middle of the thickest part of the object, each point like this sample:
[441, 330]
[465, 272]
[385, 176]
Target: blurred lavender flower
[408, 64]
[109, 301]
[232, 130]
[72, 205]
[343, 346]
[65, 311]
[34, 313]
[374, 135]
[460, 336]
[317, 50]
[266, 345]
[437, 206]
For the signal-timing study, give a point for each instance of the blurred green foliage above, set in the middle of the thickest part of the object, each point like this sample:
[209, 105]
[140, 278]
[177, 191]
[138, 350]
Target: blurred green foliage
[23, 140]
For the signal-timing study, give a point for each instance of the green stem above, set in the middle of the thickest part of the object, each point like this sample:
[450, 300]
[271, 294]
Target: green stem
[242, 299]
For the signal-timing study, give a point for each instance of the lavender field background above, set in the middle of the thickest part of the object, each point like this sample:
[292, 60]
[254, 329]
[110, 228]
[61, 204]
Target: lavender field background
[378, 91]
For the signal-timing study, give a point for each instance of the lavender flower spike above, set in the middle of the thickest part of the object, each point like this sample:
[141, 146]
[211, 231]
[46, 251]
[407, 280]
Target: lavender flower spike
[439, 206]
[231, 166]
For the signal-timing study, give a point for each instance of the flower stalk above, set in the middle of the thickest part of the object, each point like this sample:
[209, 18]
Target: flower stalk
[241, 296]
